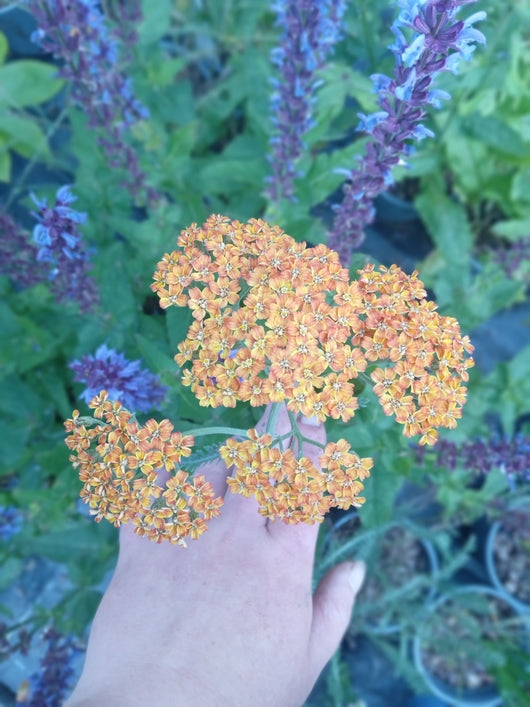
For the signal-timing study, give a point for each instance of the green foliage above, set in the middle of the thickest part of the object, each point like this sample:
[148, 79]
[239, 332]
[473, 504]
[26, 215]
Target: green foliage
[23, 84]
[203, 70]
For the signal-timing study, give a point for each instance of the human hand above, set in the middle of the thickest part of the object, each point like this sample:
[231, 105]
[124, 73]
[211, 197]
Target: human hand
[231, 620]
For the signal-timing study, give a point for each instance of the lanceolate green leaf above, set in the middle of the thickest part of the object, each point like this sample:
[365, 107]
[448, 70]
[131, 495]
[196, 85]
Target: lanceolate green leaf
[27, 83]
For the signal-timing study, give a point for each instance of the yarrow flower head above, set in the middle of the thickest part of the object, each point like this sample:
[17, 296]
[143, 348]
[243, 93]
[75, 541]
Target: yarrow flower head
[60, 246]
[77, 32]
[135, 387]
[310, 31]
[120, 464]
[275, 322]
[437, 43]
[300, 332]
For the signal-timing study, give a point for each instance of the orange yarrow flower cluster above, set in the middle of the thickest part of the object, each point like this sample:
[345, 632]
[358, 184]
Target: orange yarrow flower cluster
[120, 462]
[276, 321]
[292, 488]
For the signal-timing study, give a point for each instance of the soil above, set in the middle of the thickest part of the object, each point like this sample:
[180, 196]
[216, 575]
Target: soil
[454, 649]
[398, 558]
[511, 553]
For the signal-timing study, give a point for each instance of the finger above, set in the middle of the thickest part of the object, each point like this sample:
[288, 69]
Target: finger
[332, 606]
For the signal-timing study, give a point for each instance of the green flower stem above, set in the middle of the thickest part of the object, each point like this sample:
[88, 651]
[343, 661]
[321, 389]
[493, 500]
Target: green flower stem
[273, 418]
[300, 438]
[227, 431]
[366, 378]
[37, 150]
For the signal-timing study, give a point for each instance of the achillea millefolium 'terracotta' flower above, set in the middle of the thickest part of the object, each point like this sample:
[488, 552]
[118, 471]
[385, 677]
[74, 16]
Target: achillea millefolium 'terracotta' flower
[119, 462]
[437, 43]
[300, 332]
[78, 33]
[61, 248]
[278, 322]
[135, 387]
[310, 29]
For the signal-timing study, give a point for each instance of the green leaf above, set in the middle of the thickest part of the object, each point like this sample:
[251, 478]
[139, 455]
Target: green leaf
[28, 344]
[73, 540]
[117, 298]
[4, 47]
[18, 399]
[28, 82]
[491, 292]
[189, 408]
[155, 20]
[521, 186]
[178, 321]
[82, 607]
[5, 164]
[380, 490]
[23, 135]
[11, 569]
[236, 169]
[51, 379]
[13, 445]
[447, 224]
[491, 131]
[512, 229]
[322, 178]
[158, 361]
[340, 82]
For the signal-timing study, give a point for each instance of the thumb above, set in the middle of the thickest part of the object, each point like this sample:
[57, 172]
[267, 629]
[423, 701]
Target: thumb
[332, 606]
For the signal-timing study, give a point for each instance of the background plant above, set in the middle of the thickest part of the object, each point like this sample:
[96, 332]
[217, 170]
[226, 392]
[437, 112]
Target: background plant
[202, 71]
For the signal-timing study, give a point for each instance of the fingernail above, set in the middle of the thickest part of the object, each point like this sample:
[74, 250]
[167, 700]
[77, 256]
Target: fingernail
[357, 574]
[310, 421]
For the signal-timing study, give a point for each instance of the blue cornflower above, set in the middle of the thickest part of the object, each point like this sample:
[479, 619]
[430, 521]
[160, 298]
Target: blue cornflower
[135, 387]
[60, 246]
[439, 41]
[11, 520]
[310, 31]
[77, 33]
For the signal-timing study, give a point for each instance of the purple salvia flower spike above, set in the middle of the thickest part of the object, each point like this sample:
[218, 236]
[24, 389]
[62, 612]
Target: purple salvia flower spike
[57, 227]
[51, 684]
[77, 33]
[310, 30]
[19, 256]
[135, 387]
[439, 43]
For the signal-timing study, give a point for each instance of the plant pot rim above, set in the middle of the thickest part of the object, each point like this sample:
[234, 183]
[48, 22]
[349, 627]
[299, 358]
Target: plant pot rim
[490, 559]
[432, 560]
[487, 696]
